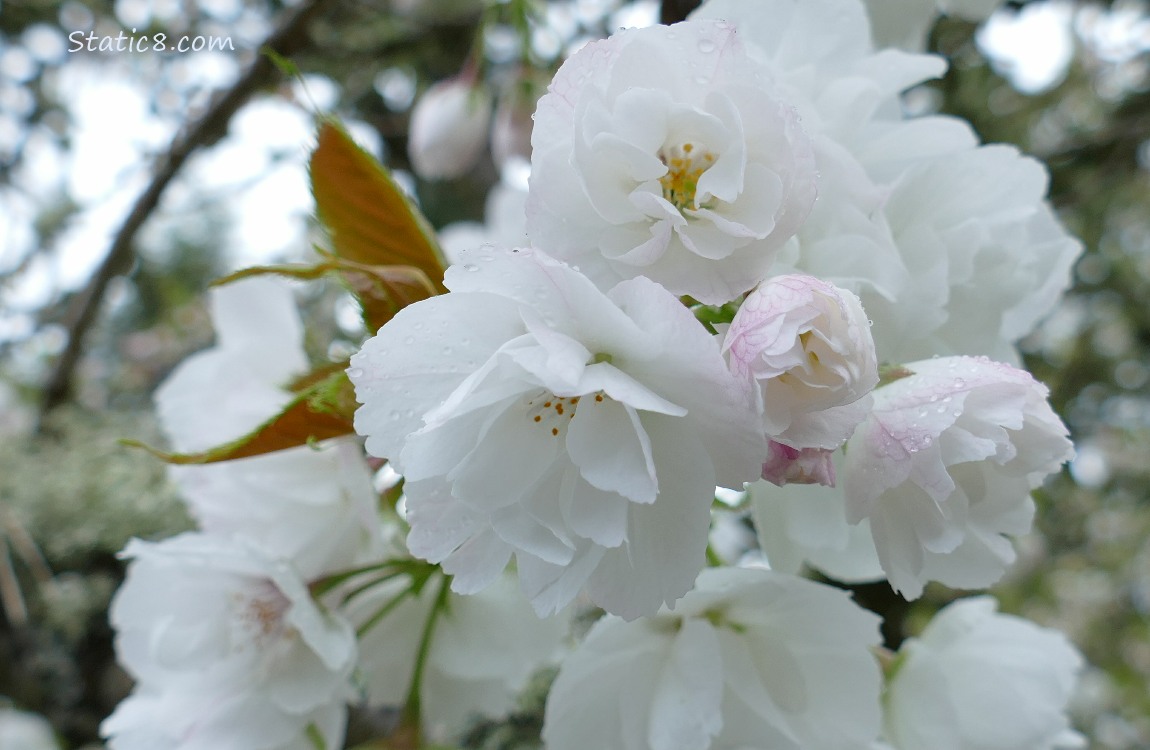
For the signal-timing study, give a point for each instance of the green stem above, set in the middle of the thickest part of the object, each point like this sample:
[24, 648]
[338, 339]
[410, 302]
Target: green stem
[412, 707]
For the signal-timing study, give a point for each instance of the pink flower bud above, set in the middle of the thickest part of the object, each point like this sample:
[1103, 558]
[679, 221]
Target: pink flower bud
[787, 465]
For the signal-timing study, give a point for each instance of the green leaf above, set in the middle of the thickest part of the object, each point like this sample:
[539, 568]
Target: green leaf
[369, 218]
[322, 410]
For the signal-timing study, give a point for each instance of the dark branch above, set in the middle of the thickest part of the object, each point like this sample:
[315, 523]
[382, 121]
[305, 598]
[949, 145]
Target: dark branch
[288, 39]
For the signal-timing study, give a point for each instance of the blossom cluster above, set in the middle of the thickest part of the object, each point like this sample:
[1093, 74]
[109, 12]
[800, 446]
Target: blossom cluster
[740, 266]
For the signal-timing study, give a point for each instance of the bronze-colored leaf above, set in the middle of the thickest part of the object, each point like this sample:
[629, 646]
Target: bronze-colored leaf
[323, 410]
[369, 218]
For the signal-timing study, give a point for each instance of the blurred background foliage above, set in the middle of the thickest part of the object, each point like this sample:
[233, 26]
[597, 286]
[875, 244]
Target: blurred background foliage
[83, 133]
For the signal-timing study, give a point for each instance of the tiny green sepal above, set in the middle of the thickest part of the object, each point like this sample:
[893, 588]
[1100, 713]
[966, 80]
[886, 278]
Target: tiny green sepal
[888, 373]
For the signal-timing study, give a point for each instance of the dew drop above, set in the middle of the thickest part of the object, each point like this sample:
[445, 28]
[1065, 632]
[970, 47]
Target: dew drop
[959, 383]
[355, 372]
[409, 340]
[470, 267]
[706, 46]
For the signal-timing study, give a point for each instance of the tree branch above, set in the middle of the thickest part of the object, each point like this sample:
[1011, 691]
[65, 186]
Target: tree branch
[289, 38]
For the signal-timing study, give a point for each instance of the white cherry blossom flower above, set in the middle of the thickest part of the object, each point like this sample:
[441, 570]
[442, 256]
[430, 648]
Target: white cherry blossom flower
[943, 468]
[449, 127]
[228, 648]
[314, 506]
[483, 649]
[988, 255]
[806, 346]
[666, 152]
[977, 678]
[749, 659]
[799, 525]
[913, 215]
[584, 433]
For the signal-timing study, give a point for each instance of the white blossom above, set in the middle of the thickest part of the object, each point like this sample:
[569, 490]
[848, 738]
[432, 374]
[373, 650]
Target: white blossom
[583, 432]
[483, 649]
[943, 468]
[806, 346]
[913, 215]
[312, 505]
[449, 127]
[227, 648]
[803, 524]
[977, 678]
[666, 152]
[749, 659]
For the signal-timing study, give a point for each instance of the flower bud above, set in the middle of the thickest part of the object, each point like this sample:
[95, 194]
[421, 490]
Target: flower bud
[807, 345]
[787, 465]
[449, 128]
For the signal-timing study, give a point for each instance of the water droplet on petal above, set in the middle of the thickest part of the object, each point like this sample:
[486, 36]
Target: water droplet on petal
[355, 372]
[470, 267]
[706, 46]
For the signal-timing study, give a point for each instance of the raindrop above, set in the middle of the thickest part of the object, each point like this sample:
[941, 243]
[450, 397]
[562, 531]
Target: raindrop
[706, 46]
[959, 383]
[355, 372]
[409, 340]
[470, 267]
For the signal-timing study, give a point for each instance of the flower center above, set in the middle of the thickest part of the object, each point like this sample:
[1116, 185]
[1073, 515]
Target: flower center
[552, 413]
[685, 165]
[260, 614]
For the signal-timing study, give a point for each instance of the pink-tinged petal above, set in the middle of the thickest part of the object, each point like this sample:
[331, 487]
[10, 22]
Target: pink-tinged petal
[787, 465]
[944, 465]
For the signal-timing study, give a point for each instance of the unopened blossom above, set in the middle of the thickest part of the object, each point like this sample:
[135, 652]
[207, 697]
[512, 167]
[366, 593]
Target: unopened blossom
[667, 152]
[943, 467]
[313, 505]
[787, 465]
[751, 658]
[978, 678]
[227, 648]
[449, 127]
[801, 525]
[582, 432]
[806, 347]
[483, 649]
